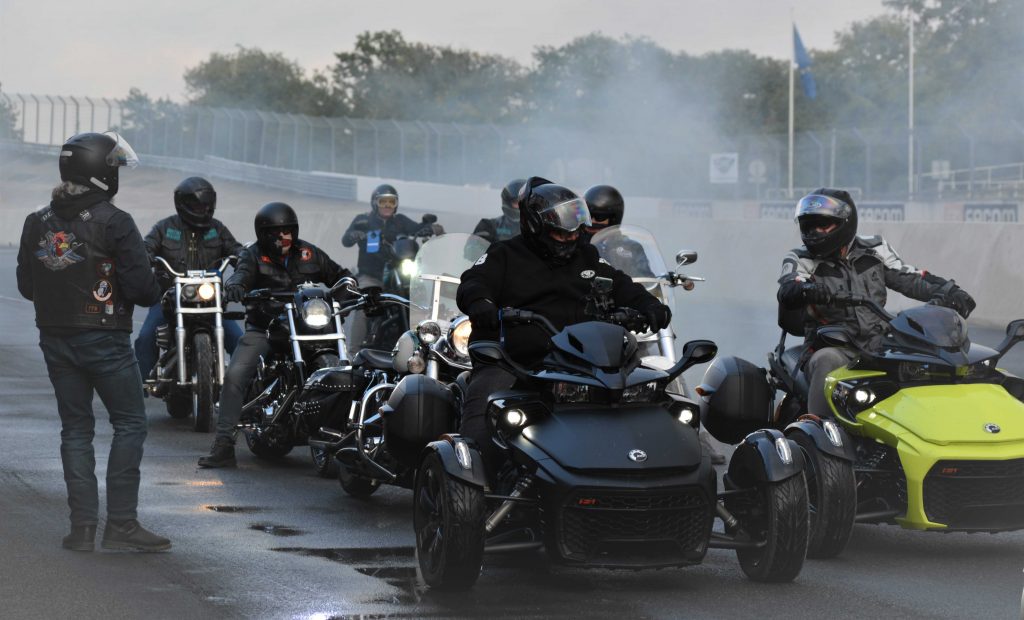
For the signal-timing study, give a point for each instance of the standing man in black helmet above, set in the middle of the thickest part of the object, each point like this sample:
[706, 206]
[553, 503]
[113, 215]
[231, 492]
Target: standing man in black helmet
[192, 239]
[279, 261]
[548, 269]
[834, 259]
[370, 231]
[83, 265]
[506, 226]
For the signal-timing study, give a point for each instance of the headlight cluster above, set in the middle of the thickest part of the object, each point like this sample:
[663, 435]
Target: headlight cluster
[643, 393]
[458, 336]
[512, 415]
[428, 332]
[408, 268]
[852, 397]
[316, 313]
[200, 292]
[571, 393]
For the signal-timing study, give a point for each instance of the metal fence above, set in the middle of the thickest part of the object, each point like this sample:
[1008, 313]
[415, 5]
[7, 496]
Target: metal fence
[951, 162]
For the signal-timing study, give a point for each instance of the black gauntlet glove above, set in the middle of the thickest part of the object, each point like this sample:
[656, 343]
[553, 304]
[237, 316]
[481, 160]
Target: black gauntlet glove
[234, 293]
[483, 314]
[658, 316]
[815, 293]
[959, 300]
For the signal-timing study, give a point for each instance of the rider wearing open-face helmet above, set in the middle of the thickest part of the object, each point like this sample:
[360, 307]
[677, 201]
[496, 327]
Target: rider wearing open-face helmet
[548, 269]
[833, 260]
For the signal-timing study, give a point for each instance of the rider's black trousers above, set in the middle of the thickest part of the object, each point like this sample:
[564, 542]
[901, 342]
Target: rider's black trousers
[484, 381]
[239, 375]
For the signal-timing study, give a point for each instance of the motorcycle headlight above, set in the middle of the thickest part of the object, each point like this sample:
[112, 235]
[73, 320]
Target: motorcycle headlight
[408, 268]
[458, 336]
[206, 291]
[188, 292]
[428, 332]
[851, 397]
[316, 313]
[644, 392]
[571, 393]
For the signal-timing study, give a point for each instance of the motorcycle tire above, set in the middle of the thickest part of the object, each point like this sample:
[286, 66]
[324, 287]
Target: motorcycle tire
[265, 450]
[179, 406]
[448, 517]
[324, 463]
[831, 497]
[783, 524]
[203, 392]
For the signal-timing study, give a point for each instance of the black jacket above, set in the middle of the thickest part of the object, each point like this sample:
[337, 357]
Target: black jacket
[305, 263]
[83, 264]
[512, 275]
[371, 262]
[187, 248]
[870, 268]
[497, 228]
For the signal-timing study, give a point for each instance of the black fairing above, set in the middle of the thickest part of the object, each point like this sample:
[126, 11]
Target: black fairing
[933, 327]
[418, 411]
[601, 439]
[737, 399]
[599, 344]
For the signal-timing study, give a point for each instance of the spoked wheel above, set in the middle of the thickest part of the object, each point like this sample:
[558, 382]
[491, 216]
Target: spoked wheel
[779, 519]
[202, 383]
[324, 463]
[448, 517]
[831, 497]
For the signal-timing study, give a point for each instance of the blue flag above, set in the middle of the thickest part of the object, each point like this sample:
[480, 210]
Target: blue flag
[803, 65]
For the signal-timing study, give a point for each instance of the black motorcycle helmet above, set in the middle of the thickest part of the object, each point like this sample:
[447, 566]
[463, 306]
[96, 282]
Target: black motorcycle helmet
[822, 208]
[382, 191]
[92, 159]
[270, 217]
[547, 209]
[195, 201]
[605, 203]
[509, 198]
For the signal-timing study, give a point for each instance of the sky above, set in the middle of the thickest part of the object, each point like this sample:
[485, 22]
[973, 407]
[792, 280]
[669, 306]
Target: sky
[104, 47]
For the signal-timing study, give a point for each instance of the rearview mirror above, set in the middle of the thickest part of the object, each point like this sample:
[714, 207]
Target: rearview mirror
[699, 351]
[686, 257]
[1015, 329]
[428, 218]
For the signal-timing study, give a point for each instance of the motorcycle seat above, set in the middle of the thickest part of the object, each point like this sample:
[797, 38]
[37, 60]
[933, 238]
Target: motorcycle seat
[791, 358]
[372, 358]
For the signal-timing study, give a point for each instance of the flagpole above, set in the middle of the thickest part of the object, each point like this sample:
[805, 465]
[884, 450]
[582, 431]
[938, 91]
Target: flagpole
[792, 61]
[910, 111]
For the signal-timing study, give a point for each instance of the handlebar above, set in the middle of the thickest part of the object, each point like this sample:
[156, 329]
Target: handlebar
[160, 261]
[850, 300]
[625, 317]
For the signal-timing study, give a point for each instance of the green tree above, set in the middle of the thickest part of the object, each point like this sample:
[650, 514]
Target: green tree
[8, 120]
[387, 77]
[254, 79]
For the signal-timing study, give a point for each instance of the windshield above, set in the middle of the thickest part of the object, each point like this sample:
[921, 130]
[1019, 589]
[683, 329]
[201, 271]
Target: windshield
[446, 256]
[633, 250]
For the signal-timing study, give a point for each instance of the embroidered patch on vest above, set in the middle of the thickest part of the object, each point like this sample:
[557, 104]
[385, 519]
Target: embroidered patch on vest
[85, 215]
[105, 268]
[102, 291]
[173, 234]
[266, 259]
[305, 255]
[57, 250]
[210, 234]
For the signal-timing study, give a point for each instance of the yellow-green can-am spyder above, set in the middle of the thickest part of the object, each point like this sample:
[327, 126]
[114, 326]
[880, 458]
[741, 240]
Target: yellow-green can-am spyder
[934, 429]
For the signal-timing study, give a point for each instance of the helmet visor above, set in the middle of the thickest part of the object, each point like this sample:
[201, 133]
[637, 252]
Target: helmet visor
[122, 154]
[567, 216]
[819, 205]
[201, 202]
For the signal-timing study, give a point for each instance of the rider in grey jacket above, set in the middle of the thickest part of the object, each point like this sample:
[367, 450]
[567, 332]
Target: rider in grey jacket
[835, 260]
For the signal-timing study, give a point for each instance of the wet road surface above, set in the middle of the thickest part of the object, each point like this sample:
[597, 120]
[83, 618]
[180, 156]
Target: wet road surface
[271, 540]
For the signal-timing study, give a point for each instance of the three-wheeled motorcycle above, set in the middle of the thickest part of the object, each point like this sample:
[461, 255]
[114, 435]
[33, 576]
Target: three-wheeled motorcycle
[602, 467]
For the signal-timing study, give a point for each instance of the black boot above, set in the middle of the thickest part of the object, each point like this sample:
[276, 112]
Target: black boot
[222, 454]
[81, 538]
[130, 536]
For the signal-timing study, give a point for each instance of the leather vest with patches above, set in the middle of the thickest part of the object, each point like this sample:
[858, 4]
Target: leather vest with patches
[74, 273]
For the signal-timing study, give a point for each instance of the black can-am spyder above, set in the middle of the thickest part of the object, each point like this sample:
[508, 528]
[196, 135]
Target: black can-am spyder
[604, 469]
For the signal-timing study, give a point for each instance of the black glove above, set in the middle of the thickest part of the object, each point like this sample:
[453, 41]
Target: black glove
[658, 316]
[234, 293]
[816, 293]
[430, 230]
[483, 314]
[359, 235]
[959, 300]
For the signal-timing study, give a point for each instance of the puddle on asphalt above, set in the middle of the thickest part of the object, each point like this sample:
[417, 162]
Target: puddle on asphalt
[234, 509]
[276, 530]
[353, 555]
[403, 578]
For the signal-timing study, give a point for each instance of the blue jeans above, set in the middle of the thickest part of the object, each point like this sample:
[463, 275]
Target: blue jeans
[79, 364]
[145, 345]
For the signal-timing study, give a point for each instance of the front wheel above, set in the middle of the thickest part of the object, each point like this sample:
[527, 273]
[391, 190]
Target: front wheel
[202, 382]
[448, 517]
[264, 448]
[831, 498]
[780, 521]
